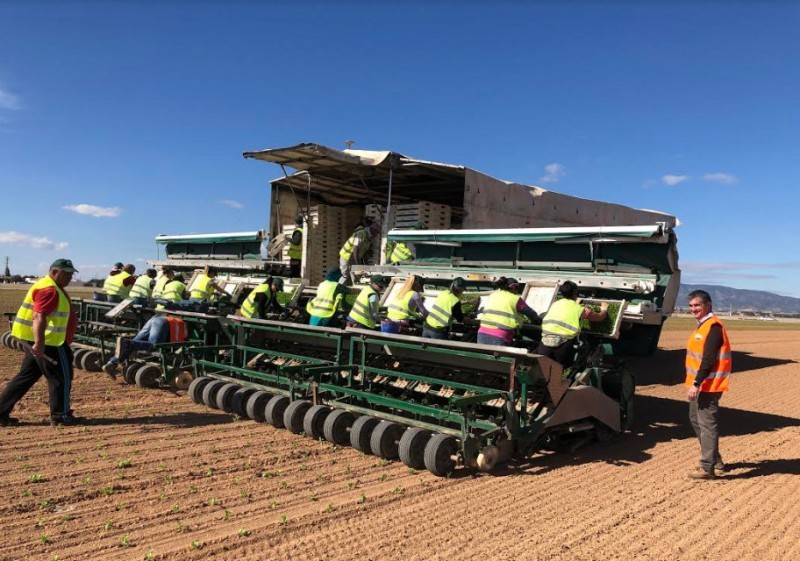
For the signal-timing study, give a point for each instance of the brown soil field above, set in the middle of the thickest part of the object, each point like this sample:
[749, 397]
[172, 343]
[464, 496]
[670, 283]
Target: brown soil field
[155, 476]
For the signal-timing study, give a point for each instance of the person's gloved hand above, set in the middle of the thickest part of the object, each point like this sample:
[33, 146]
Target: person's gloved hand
[604, 306]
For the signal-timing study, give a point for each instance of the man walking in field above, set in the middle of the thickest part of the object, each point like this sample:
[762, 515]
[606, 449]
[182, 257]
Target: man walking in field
[708, 368]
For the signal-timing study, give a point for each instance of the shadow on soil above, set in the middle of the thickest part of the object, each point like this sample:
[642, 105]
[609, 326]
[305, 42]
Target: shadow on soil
[663, 420]
[667, 366]
[177, 420]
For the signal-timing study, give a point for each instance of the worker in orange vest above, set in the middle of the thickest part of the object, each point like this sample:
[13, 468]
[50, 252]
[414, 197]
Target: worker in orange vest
[708, 369]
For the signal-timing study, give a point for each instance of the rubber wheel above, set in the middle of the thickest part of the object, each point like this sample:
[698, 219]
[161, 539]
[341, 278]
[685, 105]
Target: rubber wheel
[412, 447]
[240, 400]
[361, 431]
[6, 335]
[293, 416]
[314, 420]
[77, 356]
[147, 376]
[274, 410]
[255, 404]
[183, 379]
[196, 389]
[210, 393]
[384, 440]
[130, 372]
[439, 454]
[225, 396]
[337, 427]
[90, 361]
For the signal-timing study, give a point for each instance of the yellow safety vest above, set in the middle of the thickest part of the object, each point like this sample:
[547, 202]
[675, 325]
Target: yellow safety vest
[173, 292]
[202, 289]
[400, 253]
[158, 289]
[400, 309]
[55, 332]
[441, 313]
[325, 303]
[500, 311]
[249, 307]
[114, 287]
[295, 251]
[347, 249]
[563, 318]
[141, 288]
[362, 311]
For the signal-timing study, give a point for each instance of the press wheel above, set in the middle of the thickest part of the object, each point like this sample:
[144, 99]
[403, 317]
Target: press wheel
[385, 439]
[337, 427]
[314, 420]
[225, 396]
[196, 389]
[440, 454]
[361, 433]
[147, 376]
[274, 410]
[240, 400]
[294, 414]
[210, 393]
[255, 404]
[412, 447]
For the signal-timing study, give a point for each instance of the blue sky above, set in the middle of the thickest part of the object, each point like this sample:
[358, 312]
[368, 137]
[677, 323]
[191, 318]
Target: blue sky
[141, 111]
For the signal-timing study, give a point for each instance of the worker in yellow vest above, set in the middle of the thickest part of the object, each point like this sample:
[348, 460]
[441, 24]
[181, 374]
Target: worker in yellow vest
[503, 312]
[174, 293]
[142, 289]
[708, 370]
[263, 299]
[323, 308]
[405, 251]
[355, 249]
[445, 309]
[205, 285]
[45, 325]
[562, 325]
[118, 286]
[406, 304]
[295, 251]
[365, 311]
[167, 274]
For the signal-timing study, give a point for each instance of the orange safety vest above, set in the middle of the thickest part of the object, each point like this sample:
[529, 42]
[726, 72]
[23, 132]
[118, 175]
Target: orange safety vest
[717, 380]
[178, 332]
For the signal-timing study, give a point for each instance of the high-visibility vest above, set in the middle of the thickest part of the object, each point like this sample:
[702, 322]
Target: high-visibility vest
[400, 308]
[141, 288]
[295, 251]
[347, 249]
[114, 285]
[500, 311]
[441, 313]
[249, 306]
[202, 288]
[362, 311]
[173, 292]
[55, 332]
[158, 289]
[717, 380]
[178, 332]
[325, 303]
[563, 318]
[400, 253]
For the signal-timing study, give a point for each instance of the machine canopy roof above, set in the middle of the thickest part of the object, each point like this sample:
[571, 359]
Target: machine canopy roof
[226, 237]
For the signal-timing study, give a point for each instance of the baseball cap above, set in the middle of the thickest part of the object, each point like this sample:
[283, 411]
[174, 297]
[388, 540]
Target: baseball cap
[65, 265]
[278, 282]
[420, 226]
[458, 284]
[298, 219]
[380, 280]
[118, 265]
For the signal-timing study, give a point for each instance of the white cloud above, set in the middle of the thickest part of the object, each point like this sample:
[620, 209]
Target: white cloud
[96, 211]
[232, 204]
[726, 178]
[670, 179]
[9, 101]
[553, 173]
[26, 240]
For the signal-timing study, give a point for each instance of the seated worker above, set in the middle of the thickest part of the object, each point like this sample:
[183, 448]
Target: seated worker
[205, 286]
[167, 274]
[158, 329]
[118, 286]
[365, 314]
[263, 299]
[405, 251]
[142, 289]
[407, 302]
[174, 292]
[355, 249]
[102, 296]
[295, 251]
[445, 309]
[562, 325]
[323, 307]
[502, 314]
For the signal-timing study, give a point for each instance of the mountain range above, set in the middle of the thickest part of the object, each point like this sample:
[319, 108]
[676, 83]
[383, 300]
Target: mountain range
[726, 298]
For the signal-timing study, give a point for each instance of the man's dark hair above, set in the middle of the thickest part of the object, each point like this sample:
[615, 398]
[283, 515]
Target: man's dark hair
[568, 289]
[704, 296]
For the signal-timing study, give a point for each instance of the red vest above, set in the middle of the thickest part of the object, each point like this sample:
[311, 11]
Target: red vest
[177, 330]
[717, 380]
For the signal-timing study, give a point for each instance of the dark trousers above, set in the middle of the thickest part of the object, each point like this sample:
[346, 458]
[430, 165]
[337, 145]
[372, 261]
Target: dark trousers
[564, 354]
[703, 413]
[294, 268]
[59, 381]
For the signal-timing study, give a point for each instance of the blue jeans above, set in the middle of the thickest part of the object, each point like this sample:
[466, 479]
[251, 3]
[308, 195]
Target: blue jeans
[156, 330]
[431, 334]
[486, 339]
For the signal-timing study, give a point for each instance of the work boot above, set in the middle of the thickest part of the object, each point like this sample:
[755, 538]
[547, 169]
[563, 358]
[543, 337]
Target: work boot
[719, 466]
[123, 347]
[6, 421]
[700, 473]
[111, 369]
[67, 421]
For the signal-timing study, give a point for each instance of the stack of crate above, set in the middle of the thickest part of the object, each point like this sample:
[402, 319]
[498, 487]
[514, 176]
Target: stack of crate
[435, 216]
